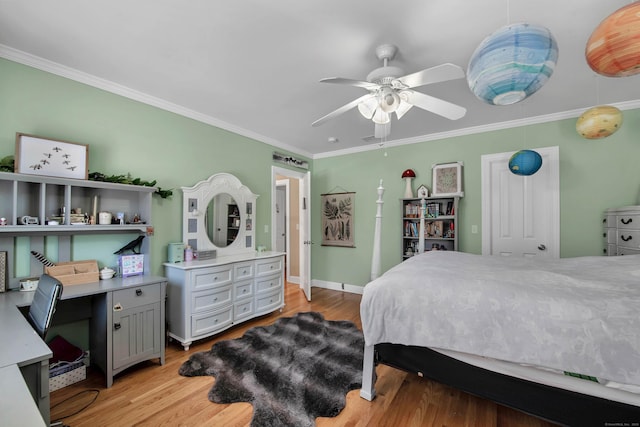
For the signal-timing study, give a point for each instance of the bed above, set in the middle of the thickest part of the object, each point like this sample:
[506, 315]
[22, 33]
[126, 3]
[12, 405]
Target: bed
[556, 338]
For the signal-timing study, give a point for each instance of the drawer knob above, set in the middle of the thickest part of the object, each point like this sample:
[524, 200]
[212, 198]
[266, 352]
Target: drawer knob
[244, 271]
[215, 321]
[626, 239]
[138, 292]
[215, 299]
[625, 222]
[244, 291]
[271, 267]
[117, 326]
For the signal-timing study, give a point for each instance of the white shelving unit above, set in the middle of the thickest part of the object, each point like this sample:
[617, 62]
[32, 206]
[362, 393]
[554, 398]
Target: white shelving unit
[44, 197]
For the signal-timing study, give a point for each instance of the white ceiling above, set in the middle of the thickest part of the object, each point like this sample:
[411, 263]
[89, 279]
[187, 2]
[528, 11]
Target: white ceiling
[253, 66]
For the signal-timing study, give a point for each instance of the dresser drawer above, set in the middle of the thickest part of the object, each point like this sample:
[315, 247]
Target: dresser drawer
[627, 251]
[208, 278]
[202, 324]
[243, 309]
[629, 238]
[243, 289]
[243, 271]
[269, 301]
[628, 221]
[268, 283]
[137, 296]
[268, 266]
[211, 299]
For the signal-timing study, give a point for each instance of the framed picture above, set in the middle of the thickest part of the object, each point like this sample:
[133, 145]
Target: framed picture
[51, 157]
[338, 219]
[447, 180]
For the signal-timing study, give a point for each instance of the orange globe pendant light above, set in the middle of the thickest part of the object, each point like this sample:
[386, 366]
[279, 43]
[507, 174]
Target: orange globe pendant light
[613, 49]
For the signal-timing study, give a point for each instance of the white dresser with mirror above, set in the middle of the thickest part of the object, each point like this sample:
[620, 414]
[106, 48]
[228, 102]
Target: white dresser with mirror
[228, 282]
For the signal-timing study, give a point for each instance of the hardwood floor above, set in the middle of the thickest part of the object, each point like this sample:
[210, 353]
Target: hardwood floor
[154, 395]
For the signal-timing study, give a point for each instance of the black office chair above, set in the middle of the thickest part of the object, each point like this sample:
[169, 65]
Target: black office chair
[44, 303]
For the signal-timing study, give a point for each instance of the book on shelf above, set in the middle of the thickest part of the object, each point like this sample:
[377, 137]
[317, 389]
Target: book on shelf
[433, 210]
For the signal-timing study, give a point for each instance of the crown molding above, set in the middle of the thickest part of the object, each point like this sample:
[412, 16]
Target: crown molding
[42, 64]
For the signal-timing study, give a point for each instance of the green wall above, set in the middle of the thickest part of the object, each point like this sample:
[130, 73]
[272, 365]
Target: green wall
[126, 136]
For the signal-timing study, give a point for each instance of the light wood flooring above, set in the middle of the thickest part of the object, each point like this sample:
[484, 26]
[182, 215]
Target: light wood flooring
[153, 395]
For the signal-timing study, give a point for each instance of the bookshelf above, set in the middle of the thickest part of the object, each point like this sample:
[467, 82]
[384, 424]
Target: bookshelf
[440, 225]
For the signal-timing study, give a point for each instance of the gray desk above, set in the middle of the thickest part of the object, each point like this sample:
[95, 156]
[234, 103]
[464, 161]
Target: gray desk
[119, 311]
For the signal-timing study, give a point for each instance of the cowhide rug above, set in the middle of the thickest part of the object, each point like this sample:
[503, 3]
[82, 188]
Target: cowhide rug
[292, 371]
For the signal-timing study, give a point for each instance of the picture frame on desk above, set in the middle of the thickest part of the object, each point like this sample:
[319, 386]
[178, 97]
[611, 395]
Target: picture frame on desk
[132, 265]
[51, 157]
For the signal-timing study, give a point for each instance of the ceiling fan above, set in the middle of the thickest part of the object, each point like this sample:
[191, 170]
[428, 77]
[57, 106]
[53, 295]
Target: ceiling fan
[390, 90]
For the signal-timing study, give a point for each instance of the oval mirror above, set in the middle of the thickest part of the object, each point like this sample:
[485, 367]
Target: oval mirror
[222, 220]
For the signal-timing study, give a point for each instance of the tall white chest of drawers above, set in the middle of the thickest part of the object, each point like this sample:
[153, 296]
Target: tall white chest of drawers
[209, 296]
[622, 231]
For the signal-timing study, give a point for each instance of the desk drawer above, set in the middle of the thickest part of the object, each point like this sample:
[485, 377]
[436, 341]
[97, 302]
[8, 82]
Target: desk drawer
[137, 296]
[242, 271]
[210, 299]
[203, 324]
[268, 266]
[269, 283]
[208, 278]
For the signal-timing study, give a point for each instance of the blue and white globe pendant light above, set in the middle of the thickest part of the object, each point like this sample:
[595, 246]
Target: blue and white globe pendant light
[512, 63]
[525, 162]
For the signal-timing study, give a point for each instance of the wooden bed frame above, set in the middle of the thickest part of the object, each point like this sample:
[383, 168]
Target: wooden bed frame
[550, 403]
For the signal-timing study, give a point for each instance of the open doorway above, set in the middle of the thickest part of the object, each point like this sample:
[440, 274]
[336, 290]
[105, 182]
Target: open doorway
[288, 224]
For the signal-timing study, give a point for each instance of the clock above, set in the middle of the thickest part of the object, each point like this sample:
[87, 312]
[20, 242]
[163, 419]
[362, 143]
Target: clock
[422, 192]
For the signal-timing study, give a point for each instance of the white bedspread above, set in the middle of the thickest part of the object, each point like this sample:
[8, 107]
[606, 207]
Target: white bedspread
[575, 314]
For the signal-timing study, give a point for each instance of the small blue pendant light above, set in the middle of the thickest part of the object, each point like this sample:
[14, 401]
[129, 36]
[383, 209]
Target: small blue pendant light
[525, 162]
[512, 63]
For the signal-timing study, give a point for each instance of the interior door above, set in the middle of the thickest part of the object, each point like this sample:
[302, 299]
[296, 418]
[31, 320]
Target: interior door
[281, 220]
[305, 235]
[302, 245]
[521, 214]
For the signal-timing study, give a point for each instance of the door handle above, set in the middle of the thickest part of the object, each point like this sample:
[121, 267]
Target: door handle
[542, 247]
[116, 326]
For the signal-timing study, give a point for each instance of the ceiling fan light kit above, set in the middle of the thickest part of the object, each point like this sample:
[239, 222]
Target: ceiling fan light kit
[512, 63]
[390, 92]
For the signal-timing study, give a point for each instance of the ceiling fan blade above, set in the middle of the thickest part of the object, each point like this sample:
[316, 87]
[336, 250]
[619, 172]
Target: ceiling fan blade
[382, 131]
[342, 109]
[436, 105]
[440, 73]
[351, 82]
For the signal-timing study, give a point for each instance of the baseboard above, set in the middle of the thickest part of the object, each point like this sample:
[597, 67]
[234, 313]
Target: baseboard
[293, 279]
[336, 286]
